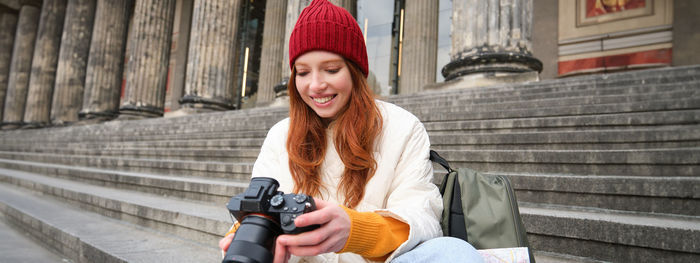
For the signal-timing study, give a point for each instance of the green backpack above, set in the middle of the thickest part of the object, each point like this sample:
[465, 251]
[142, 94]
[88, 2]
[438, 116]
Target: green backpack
[480, 209]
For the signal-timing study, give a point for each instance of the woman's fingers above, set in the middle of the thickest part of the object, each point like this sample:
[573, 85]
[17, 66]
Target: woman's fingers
[324, 213]
[318, 217]
[331, 244]
[309, 238]
[281, 253]
[330, 237]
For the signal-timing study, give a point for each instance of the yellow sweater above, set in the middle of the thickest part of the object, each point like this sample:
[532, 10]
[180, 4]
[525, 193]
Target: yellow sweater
[373, 236]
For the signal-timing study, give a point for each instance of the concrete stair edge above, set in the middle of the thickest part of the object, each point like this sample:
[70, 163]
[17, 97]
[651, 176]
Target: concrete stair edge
[668, 237]
[195, 221]
[87, 237]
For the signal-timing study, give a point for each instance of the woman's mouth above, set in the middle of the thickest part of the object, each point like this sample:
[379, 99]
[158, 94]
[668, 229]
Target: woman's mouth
[322, 100]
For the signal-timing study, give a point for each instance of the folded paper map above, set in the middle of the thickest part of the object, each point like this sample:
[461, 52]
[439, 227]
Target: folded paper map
[505, 255]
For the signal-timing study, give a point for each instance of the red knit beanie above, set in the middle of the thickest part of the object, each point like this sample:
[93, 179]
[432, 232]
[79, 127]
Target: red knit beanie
[324, 26]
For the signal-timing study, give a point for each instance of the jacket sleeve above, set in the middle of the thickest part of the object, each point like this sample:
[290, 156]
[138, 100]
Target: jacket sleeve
[373, 236]
[414, 198]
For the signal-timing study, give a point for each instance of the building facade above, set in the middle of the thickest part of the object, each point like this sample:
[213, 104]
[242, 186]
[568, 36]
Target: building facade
[67, 61]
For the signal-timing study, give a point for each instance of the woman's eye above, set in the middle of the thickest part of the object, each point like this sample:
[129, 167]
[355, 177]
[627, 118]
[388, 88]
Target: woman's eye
[333, 70]
[301, 74]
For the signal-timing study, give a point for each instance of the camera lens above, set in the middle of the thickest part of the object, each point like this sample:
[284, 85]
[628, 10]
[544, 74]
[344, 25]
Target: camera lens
[254, 240]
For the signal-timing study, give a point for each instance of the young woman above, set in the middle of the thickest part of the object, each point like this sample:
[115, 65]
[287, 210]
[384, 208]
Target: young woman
[364, 161]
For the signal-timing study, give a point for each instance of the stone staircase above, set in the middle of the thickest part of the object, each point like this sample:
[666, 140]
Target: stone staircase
[606, 168]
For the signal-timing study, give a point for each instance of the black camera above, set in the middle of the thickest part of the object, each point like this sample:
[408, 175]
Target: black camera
[264, 214]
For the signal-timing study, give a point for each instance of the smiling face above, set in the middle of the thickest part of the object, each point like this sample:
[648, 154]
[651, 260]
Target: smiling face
[323, 82]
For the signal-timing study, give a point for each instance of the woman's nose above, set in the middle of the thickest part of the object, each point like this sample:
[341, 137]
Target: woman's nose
[318, 83]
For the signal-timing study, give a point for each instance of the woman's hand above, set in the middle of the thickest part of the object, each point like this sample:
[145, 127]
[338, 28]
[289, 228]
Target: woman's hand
[330, 237]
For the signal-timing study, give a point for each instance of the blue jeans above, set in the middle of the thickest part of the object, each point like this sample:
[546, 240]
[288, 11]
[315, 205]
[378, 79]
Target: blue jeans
[441, 249]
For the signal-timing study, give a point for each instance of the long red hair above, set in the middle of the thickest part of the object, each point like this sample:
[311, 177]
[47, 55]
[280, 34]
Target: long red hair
[357, 126]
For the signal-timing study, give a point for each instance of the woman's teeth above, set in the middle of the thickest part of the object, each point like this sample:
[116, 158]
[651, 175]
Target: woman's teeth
[323, 100]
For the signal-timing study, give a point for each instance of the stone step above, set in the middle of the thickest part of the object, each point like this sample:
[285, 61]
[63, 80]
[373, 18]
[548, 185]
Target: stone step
[199, 189]
[247, 149]
[195, 126]
[189, 169]
[240, 128]
[22, 247]
[541, 88]
[524, 96]
[550, 257]
[612, 235]
[546, 101]
[83, 236]
[454, 98]
[201, 222]
[650, 194]
[29, 137]
[246, 123]
[636, 162]
[576, 110]
[210, 155]
[608, 121]
[598, 81]
[184, 142]
[209, 117]
[641, 138]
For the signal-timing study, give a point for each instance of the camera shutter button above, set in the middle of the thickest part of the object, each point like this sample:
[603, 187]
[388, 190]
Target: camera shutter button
[287, 220]
[300, 198]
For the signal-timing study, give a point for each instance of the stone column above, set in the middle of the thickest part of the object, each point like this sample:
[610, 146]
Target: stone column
[350, 5]
[105, 63]
[72, 61]
[178, 55]
[43, 76]
[294, 8]
[21, 65]
[8, 24]
[272, 53]
[210, 79]
[491, 42]
[419, 51]
[149, 51]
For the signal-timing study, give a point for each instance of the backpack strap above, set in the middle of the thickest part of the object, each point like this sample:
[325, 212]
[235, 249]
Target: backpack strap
[435, 157]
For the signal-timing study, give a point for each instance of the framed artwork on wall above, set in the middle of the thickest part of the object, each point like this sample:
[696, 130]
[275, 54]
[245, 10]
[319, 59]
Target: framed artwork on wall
[592, 12]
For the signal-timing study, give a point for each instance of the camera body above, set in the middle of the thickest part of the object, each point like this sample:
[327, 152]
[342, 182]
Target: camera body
[264, 214]
[262, 197]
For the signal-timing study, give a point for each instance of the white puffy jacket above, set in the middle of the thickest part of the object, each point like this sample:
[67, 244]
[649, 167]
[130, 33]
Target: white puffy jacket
[401, 188]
